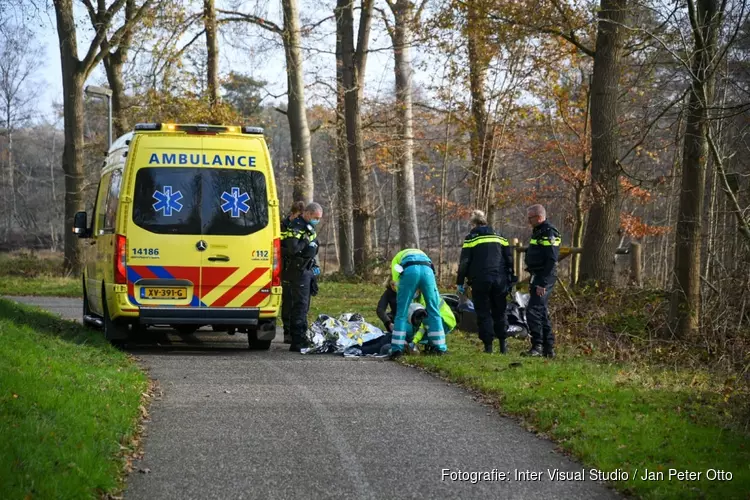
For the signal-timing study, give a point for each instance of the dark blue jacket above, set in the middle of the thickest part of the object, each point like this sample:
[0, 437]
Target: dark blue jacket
[542, 254]
[485, 256]
[299, 246]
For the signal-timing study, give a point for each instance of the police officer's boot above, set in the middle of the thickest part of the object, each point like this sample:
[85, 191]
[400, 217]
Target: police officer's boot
[534, 352]
[503, 345]
[488, 347]
[287, 337]
[549, 351]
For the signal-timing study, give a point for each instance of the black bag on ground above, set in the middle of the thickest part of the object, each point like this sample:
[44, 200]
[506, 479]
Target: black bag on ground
[516, 316]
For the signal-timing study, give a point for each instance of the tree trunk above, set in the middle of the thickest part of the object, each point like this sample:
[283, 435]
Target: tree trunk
[601, 236]
[353, 74]
[113, 64]
[403, 12]
[345, 211]
[444, 189]
[705, 20]
[577, 241]
[73, 120]
[11, 174]
[74, 74]
[481, 147]
[299, 130]
[212, 51]
[72, 164]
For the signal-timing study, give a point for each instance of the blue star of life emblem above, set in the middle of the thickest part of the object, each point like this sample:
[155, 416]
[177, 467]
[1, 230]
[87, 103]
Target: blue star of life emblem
[235, 202]
[167, 201]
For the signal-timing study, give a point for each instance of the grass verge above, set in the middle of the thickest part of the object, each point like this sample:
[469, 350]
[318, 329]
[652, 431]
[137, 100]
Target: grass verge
[629, 414]
[69, 407]
[36, 273]
[612, 416]
[47, 286]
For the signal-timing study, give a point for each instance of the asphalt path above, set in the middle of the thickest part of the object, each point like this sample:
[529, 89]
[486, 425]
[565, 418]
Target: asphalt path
[232, 423]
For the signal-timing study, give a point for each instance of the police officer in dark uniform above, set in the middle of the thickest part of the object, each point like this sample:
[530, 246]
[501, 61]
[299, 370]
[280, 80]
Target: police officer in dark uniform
[541, 263]
[295, 211]
[299, 249]
[487, 263]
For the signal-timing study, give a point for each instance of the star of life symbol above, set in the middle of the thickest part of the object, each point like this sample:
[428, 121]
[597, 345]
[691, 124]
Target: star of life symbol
[235, 202]
[167, 201]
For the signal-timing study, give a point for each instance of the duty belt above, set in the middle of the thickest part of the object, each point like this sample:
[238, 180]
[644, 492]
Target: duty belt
[298, 263]
[418, 263]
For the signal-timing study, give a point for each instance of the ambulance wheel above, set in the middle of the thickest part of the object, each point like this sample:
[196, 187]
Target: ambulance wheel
[115, 331]
[254, 344]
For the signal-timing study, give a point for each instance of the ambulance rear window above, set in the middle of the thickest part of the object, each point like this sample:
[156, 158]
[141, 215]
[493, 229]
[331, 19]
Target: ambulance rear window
[213, 201]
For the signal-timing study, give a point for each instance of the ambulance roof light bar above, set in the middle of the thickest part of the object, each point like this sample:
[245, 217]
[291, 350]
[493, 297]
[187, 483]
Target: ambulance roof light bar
[200, 128]
[148, 126]
[252, 130]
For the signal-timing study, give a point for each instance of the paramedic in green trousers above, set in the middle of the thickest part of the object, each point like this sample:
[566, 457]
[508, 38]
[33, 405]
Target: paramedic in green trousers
[412, 269]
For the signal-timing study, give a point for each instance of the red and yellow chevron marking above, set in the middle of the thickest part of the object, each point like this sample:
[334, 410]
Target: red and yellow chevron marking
[240, 289]
[219, 286]
[260, 296]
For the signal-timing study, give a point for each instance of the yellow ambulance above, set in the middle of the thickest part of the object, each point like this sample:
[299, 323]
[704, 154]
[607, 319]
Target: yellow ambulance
[185, 233]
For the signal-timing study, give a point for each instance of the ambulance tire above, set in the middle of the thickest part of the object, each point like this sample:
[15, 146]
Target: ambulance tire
[114, 331]
[254, 344]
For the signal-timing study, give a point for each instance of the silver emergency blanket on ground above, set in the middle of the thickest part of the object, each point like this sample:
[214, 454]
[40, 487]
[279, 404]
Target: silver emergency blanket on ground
[336, 335]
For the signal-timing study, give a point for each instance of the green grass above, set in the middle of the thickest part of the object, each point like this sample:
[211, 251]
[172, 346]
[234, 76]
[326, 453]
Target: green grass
[608, 415]
[48, 286]
[36, 273]
[335, 298]
[69, 405]
[611, 416]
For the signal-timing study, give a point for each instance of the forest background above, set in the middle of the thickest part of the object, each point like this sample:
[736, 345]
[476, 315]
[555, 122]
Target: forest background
[629, 121]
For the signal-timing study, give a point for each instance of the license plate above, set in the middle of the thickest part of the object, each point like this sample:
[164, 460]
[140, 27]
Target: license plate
[176, 293]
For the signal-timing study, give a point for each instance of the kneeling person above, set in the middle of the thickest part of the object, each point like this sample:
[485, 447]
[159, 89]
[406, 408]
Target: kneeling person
[412, 269]
[417, 315]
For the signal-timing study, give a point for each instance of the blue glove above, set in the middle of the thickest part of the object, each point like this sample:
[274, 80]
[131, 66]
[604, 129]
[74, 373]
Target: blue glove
[461, 289]
[316, 270]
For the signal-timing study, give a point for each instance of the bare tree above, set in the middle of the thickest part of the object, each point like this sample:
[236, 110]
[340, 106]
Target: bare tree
[480, 52]
[355, 62]
[114, 60]
[75, 71]
[405, 20]
[19, 56]
[601, 237]
[705, 22]
[291, 35]
[344, 199]
[212, 51]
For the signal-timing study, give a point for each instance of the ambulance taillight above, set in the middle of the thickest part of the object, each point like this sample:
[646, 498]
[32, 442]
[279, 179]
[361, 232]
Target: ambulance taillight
[276, 273]
[121, 275]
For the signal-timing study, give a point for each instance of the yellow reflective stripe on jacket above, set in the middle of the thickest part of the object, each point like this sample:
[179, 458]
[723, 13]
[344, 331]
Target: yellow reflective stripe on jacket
[546, 241]
[302, 235]
[485, 239]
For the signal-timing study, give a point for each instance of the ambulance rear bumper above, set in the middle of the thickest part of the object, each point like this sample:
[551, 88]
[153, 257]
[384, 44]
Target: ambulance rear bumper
[244, 316]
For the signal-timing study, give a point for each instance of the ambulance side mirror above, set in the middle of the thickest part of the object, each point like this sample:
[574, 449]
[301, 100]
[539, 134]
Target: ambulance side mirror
[79, 225]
